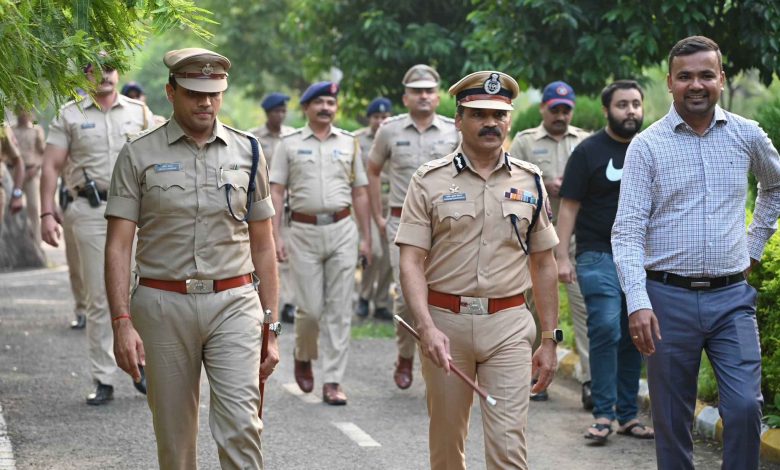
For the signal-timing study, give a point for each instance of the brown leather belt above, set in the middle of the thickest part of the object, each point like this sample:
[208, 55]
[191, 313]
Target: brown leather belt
[473, 305]
[395, 211]
[320, 219]
[197, 286]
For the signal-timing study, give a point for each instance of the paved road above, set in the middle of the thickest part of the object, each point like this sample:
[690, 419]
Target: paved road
[44, 378]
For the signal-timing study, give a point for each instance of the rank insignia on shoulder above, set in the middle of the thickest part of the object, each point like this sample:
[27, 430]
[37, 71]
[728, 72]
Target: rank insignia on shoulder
[454, 197]
[163, 167]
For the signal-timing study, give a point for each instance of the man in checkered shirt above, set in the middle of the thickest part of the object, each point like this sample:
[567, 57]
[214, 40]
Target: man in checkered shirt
[682, 255]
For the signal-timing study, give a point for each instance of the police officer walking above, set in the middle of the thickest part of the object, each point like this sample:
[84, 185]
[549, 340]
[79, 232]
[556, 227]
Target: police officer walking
[407, 141]
[87, 137]
[9, 153]
[321, 167]
[31, 141]
[474, 235]
[198, 193]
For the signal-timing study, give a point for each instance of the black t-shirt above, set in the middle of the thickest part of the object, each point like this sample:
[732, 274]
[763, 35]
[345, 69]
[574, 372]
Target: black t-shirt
[592, 177]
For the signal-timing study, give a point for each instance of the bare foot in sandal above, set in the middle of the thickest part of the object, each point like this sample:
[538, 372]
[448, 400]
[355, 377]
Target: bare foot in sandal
[599, 431]
[636, 430]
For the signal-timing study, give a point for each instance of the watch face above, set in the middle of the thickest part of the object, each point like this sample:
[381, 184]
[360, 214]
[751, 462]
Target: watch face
[558, 336]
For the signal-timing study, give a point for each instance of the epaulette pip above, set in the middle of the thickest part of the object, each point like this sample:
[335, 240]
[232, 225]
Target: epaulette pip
[529, 167]
[425, 168]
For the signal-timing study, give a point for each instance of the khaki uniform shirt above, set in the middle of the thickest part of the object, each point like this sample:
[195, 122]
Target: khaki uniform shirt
[464, 222]
[399, 141]
[366, 140]
[319, 175]
[31, 141]
[176, 193]
[270, 140]
[94, 138]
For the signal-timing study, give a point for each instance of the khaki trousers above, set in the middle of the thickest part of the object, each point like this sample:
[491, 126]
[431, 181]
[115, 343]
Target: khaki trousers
[89, 231]
[405, 341]
[285, 273]
[496, 351]
[579, 319]
[222, 332]
[323, 260]
[74, 267]
[32, 195]
[376, 279]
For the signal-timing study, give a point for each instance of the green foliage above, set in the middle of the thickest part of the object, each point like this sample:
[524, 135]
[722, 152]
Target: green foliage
[708, 386]
[772, 414]
[44, 44]
[588, 42]
[587, 115]
[372, 329]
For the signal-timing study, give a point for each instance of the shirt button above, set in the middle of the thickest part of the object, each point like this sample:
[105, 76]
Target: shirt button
[484, 242]
[487, 212]
[456, 214]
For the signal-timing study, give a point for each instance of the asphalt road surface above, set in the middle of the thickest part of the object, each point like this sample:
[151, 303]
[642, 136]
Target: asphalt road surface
[44, 377]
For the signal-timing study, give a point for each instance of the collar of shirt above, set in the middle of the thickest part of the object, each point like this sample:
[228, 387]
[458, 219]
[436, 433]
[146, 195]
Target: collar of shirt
[308, 132]
[175, 132]
[460, 162]
[88, 102]
[676, 121]
[540, 133]
[437, 122]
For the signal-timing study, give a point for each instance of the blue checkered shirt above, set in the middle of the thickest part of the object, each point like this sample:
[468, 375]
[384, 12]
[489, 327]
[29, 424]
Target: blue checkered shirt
[682, 201]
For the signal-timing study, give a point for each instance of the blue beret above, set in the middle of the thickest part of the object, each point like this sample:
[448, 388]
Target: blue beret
[273, 100]
[319, 89]
[380, 105]
[558, 93]
[132, 86]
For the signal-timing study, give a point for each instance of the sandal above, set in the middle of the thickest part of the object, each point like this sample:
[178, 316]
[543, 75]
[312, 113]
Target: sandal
[600, 427]
[642, 434]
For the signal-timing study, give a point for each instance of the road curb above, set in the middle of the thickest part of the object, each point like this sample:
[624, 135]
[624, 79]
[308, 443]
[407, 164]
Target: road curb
[707, 421]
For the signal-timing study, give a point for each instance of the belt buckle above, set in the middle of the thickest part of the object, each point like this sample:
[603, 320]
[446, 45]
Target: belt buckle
[199, 286]
[700, 284]
[324, 219]
[474, 305]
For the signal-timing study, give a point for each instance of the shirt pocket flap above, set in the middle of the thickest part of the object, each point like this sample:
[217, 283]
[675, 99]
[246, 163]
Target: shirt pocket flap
[456, 210]
[235, 178]
[522, 210]
[165, 179]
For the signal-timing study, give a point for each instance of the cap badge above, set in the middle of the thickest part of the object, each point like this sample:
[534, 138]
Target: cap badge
[561, 91]
[492, 85]
[207, 69]
[382, 108]
[333, 88]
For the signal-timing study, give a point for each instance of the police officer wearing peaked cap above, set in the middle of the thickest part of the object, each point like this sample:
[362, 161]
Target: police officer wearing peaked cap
[188, 187]
[473, 236]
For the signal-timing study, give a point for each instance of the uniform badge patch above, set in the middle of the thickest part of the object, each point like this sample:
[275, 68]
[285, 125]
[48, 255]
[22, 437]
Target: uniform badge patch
[88, 125]
[163, 167]
[403, 143]
[304, 152]
[207, 70]
[454, 188]
[492, 85]
[454, 197]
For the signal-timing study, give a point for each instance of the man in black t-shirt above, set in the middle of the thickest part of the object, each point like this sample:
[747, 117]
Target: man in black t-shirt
[589, 196]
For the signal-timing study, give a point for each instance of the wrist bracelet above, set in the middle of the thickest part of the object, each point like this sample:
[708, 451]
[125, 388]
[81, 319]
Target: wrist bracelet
[46, 213]
[119, 317]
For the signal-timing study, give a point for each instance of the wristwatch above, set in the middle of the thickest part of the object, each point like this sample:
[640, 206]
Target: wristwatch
[16, 193]
[275, 328]
[555, 335]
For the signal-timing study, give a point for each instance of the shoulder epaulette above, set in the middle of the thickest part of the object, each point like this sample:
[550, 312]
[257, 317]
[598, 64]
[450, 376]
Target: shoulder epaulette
[292, 132]
[146, 133]
[239, 131]
[525, 131]
[393, 119]
[134, 101]
[361, 131]
[71, 103]
[446, 119]
[346, 132]
[527, 166]
[427, 167]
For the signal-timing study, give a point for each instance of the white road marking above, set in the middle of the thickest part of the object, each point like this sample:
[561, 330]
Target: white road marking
[360, 437]
[293, 389]
[7, 461]
[41, 302]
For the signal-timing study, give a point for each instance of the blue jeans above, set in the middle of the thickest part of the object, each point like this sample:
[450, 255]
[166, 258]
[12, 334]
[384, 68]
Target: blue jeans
[615, 363]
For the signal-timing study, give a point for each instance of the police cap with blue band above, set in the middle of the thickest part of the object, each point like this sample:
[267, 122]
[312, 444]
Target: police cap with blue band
[486, 90]
[198, 69]
[274, 100]
[318, 89]
[379, 105]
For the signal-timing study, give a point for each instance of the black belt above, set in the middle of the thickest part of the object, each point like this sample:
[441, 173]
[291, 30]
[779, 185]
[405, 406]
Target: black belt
[103, 194]
[695, 283]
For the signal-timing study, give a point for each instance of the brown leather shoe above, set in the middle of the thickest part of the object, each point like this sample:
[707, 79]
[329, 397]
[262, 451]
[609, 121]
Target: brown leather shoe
[304, 376]
[332, 394]
[403, 373]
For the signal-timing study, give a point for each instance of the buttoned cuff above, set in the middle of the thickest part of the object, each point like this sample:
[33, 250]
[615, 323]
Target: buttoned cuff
[637, 301]
[755, 248]
[415, 235]
[122, 207]
[544, 239]
[261, 210]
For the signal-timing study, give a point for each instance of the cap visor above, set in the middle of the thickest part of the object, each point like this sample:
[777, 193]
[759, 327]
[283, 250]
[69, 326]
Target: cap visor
[488, 104]
[422, 84]
[557, 101]
[203, 85]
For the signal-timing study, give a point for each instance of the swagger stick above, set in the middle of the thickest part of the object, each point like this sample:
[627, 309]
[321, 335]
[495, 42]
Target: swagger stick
[263, 354]
[490, 400]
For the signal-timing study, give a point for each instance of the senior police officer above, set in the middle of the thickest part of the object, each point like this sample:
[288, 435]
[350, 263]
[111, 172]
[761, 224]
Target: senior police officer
[376, 279]
[549, 146]
[270, 135]
[198, 193]
[321, 167]
[474, 235]
[407, 141]
[87, 137]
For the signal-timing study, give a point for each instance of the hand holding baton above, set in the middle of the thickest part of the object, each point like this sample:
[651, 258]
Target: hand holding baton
[490, 400]
[264, 354]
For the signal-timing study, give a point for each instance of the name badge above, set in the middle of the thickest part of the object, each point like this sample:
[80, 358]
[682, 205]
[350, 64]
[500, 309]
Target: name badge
[163, 167]
[304, 152]
[88, 125]
[403, 143]
[454, 197]
[540, 151]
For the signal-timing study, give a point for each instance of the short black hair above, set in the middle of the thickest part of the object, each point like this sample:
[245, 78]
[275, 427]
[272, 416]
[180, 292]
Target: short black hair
[460, 110]
[172, 81]
[609, 90]
[693, 44]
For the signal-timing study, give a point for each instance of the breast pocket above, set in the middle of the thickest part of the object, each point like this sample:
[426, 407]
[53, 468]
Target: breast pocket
[234, 184]
[166, 190]
[344, 160]
[522, 213]
[455, 218]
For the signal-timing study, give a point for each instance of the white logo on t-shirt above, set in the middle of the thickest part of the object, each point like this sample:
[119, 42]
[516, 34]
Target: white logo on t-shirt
[613, 174]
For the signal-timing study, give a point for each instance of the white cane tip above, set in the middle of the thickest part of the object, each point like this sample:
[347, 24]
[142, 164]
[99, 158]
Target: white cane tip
[490, 400]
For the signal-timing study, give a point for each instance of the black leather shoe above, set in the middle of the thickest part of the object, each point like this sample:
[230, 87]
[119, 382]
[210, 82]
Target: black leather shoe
[383, 314]
[103, 394]
[141, 386]
[587, 399]
[362, 308]
[288, 313]
[79, 323]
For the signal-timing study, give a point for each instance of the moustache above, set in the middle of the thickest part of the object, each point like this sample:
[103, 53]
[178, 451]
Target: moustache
[490, 130]
[324, 114]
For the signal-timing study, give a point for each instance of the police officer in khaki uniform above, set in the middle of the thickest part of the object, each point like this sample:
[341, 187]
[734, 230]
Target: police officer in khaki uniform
[204, 227]
[87, 136]
[549, 146]
[31, 141]
[321, 167]
[474, 235]
[270, 135]
[376, 279]
[10, 154]
[407, 141]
